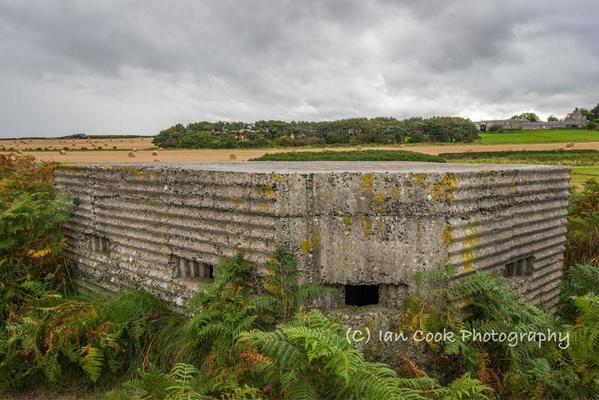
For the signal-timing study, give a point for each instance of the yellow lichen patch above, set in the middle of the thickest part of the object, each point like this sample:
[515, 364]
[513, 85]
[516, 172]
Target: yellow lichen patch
[379, 199]
[268, 191]
[264, 206]
[380, 225]
[311, 244]
[444, 189]
[419, 178]
[395, 193]
[367, 182]
[468, 260]
[328, 197]
[236, 201]
[366, 226]
[513, 185]
[277, 177]
[305, 246]
[347, 222]
[470, 231]
[139, 173]
[446, 236]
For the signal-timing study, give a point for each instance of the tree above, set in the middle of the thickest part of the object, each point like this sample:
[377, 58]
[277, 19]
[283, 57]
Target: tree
[552, 118]
[595, 111]
[530, 116]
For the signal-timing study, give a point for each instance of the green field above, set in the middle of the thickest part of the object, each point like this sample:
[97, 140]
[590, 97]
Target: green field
[353, 155]
[585, 163]
[562, 157]
[583, 174]
[540, 136]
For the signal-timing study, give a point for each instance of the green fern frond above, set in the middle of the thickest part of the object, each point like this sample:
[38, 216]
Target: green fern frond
[92, 362]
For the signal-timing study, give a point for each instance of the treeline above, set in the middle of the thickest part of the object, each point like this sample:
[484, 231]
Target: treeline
[352, 131]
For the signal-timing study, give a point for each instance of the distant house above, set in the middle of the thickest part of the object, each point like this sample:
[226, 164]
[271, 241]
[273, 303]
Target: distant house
[576, 116]
[575, 119]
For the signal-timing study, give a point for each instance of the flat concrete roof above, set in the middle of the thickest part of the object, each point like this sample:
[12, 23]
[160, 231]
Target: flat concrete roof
[298, 167]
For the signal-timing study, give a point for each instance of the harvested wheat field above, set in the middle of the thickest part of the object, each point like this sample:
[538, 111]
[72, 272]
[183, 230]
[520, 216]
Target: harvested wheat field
[89, 143]
[208, 155]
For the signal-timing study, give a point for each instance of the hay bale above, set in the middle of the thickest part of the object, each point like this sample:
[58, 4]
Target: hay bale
[63, 152]
[131, 154]
[154, 153]
[569, 145]
[232, 156]
[156, 160]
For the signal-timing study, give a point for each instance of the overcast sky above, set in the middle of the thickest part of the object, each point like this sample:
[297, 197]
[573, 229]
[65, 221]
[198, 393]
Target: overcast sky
[141, 66]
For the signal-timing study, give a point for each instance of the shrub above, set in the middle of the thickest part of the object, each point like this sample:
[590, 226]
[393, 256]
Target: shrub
[583, 226]
[311, 358]
[578, 280]
[482, 302]
[31, 241]
[363, 155]
[495, 128]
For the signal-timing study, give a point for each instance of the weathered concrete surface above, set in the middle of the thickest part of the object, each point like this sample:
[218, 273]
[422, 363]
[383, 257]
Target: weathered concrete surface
[349, 222]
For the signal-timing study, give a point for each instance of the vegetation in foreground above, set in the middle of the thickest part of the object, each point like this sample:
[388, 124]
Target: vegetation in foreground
[233, 343]
[357, 155]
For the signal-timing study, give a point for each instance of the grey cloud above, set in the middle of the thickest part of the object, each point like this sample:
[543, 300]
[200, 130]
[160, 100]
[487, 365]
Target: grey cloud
[138, 66]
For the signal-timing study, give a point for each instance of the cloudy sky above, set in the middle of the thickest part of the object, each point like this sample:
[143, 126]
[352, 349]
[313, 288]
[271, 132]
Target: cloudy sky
[141, 66]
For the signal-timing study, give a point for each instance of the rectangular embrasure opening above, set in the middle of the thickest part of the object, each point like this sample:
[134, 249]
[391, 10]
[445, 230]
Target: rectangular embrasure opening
[98, 243]
[193, 270]
[361, 295]
[520, 267]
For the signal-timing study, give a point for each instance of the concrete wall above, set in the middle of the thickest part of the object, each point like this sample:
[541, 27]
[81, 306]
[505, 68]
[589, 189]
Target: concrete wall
[349, 223]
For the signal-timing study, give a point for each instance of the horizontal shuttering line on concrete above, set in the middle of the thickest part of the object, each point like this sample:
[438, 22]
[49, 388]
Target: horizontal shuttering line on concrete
[513, 236]
[150, 223]
[127, 279]
[204, 201]
[503, 227]
[186, 240]
[93, 278]
[95, 263]
[499, 246]
[225, 194]
[222, 235]
[190, 246]
[498, 258]
[167, 174]
[546, 261]
[186, 215]
[96, 277]
[493, 200]
[553, 207]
